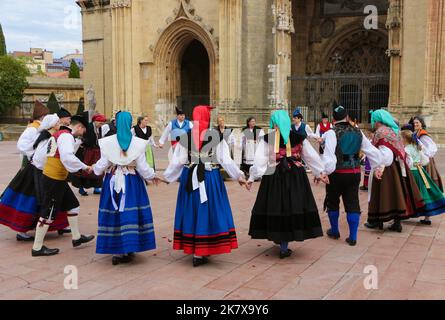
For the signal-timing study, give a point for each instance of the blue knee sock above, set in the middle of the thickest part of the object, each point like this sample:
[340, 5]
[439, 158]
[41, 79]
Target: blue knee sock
[284, 246]
[333, 219]
[353, 221]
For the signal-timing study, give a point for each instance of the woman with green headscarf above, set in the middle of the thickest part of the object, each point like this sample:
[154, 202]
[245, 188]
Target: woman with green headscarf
[396, 196]
[285, 208]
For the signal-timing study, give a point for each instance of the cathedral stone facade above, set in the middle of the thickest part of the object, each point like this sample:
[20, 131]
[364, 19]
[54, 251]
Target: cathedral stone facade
[249, 57]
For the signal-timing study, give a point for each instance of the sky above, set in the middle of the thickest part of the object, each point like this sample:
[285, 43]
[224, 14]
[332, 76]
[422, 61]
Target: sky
[54, 25]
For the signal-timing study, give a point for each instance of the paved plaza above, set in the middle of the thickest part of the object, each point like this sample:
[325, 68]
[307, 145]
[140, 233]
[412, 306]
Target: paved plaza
[410, 265]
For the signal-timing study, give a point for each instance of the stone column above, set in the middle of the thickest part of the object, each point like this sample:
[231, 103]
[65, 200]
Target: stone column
[122, 54]
[394, 25]
[230, 26]
[282, 30]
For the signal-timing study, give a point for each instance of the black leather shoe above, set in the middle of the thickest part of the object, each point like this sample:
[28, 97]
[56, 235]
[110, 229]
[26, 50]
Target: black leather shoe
[363, 188]
[352, 243]
[374, 225]
[333, 235]
[83, 193]
[426, 222]
[63, 231]
[285, 254]
[83, 239]
[19, 237]
[118, 260]
[44, 252]
[200, 261]
[396, 227]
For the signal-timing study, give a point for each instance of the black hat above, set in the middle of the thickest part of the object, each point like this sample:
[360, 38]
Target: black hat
[179, 111]
[80, 118]
[324, 116]
[63, 113]
[340, 113]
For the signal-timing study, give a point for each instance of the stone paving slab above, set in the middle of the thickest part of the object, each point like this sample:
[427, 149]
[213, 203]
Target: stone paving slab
[410, 265]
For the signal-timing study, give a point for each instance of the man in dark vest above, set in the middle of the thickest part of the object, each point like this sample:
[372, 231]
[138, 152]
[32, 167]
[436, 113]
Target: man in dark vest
[342, 164]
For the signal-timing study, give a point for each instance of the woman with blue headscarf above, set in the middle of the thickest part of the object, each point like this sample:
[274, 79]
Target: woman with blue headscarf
[285, 208]
[396, 196]
[125, 217]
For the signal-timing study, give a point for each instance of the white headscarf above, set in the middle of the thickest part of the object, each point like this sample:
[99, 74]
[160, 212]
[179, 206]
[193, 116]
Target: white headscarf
[48, 122]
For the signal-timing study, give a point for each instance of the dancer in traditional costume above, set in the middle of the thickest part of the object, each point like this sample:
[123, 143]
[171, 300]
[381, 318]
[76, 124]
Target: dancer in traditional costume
[203, 221]
[323, 127]
[250, 137]
[226, 134]
[125, 217]
[29, 136]
[20, 203]
[342, 164]
[285, 209]
[58, 196]
[175, 129]
[143, 131]
[429, 148]
[396, 196]
[301, 127]
[89, 153]
[431, 194]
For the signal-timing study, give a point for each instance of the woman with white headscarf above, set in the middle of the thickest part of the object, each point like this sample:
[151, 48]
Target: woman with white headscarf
[20, 202]
[125, 217]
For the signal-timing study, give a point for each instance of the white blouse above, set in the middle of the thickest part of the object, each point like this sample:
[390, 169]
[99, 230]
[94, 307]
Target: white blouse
[429, 146]
[265, 159]
[376, 156]
[26, 141]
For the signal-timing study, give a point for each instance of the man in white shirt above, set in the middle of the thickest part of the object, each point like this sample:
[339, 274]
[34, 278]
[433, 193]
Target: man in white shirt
[58, 195]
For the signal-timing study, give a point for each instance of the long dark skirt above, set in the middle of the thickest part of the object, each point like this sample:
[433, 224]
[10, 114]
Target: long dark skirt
[431, 168]
[285, 208]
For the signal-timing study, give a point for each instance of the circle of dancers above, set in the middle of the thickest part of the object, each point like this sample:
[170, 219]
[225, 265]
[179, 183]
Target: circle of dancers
[116, 160]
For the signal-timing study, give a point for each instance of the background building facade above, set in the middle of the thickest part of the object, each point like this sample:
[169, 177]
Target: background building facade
[248, 57]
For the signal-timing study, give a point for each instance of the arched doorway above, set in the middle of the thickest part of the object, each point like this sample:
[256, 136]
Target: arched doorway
[195, 77]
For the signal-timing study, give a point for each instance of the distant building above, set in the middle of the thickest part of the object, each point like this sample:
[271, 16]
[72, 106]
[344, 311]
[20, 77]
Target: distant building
[36, 59]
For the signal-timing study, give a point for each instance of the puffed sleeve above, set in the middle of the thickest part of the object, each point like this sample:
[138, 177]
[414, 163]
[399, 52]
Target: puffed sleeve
[312, 159]
[101, 165]
[424, 159]
[260, 165]
[387, 157]
[65, 145]
[143, 168]
[225, 160]
[329, 158]
[429, 146]
[373, 154]
[177, 162]
[165, 133]
[26, 141]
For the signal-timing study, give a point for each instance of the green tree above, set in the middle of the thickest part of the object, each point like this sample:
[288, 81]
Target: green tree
[13, 82]
[74, 70]
[2, 42]
[53, 104]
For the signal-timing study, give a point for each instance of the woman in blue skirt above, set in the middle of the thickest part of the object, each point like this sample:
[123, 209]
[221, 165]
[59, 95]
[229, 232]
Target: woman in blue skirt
[125, 218]
[203, 221]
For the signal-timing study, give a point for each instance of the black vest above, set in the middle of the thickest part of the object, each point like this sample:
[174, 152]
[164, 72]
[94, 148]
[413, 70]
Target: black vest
[349, 142]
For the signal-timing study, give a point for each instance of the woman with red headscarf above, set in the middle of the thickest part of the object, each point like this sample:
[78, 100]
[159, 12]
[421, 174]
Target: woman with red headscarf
[203, 221]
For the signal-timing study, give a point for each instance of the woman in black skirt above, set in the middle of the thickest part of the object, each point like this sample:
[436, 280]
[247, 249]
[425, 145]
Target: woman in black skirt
[285, 208]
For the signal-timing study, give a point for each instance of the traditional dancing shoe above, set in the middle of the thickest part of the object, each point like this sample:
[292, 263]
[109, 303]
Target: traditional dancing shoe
[200, 261]
[374, 225]
[83, 239]
[63, 231]
[285, 254]
[363, 188]
[118, 260]
[333, 235]
[396, 227]
[19, 237]
[426, 222]
[44, 252]
[352, 243]
[83, 193]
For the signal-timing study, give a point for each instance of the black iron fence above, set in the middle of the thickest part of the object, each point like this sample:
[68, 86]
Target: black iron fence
[358, 93]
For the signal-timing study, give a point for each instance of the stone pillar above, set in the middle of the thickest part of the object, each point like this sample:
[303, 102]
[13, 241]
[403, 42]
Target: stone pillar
[282, 30]
[230, 26]
[394, 25]
[122, 54]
